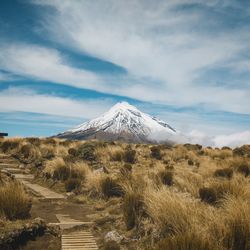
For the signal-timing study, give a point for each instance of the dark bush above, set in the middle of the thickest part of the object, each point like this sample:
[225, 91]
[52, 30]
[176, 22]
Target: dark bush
[132, 209]
[50, 141]
[25, 150]
[61, 173]
[117, 156]
[72, 151]
[74, 173]
[9, 145]
[242, 151]
[244, 169]
[224, 172]
[192, 146]
[86, 152]
[156, 152]
[65, 143]
[111, 245]
[226, 148]
[72, 184]
[129, 155]
[47, 152]
[128, 167]
[111, 188]
[34, 140]
[190, 162]
[208, 195]
[166, 177]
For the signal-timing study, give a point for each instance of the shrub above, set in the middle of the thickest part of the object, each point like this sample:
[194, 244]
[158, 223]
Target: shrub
[72, 151]
[117, 155]
[111, 245]
[166, 177]
[28, 153]
[34, 140]
[224, 172]
[186, 241]
[132, 209]
[61, 173]
[72, 184]
[110, 187]
[129, 155]
[156, 152]
[50, 141]
[14, 202]
[242, 151]
[9, 145]
[190, 162]
[208, 195]
[244, 169]
[86, 152]
[47, 152]
[128, 167]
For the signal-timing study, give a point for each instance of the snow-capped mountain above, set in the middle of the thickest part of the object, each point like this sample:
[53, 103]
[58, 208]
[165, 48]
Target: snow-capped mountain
[123, 122]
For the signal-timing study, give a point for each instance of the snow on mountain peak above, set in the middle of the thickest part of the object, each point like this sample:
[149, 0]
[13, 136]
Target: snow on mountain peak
[125, 119]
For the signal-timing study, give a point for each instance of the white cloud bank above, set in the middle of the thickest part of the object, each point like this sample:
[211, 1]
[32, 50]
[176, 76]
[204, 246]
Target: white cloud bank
[152, 39]
[230, 140]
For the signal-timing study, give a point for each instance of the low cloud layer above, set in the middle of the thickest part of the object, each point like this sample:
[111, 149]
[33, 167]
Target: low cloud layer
[230, 140]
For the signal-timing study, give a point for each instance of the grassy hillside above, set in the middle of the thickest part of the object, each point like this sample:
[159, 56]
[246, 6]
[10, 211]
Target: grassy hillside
[156, 196]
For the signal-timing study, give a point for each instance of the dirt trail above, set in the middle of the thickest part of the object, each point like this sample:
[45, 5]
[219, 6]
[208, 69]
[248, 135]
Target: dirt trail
[54, 208]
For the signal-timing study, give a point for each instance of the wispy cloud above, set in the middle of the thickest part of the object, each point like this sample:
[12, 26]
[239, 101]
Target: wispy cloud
[162, 41]
[18, 99]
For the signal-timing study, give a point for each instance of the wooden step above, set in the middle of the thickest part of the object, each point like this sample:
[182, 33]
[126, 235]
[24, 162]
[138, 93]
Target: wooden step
[78, 240]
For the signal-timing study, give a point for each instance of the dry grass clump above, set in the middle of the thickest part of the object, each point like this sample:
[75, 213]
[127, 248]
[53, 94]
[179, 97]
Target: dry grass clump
[72, 184]
[27, 153]
[86, 152]
[116, 155]
[47, 151]
[186, 241]
[208, 195]
[178, 153]
[186, 180]
[166, 177]
[171, 212]
[111, 188]
[216, 192]
[230, 227]
[129, 155]
[132, 209]
[59, 170]
[241, 165]
[224, 172]
[111, 245]
[14, 202]
[8, 145]
[156, 152]
[242, 151]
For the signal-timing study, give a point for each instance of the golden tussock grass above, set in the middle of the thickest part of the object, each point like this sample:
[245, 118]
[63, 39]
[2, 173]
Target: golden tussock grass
[14, 202]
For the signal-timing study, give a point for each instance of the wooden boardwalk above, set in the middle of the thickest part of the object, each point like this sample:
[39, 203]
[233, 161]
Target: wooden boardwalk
[79, 240]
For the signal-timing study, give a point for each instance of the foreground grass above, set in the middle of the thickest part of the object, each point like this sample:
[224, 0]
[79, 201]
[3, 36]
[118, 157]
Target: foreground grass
[163, 197]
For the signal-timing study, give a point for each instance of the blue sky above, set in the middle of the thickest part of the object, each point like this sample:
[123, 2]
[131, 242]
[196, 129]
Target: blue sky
[185, 61]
